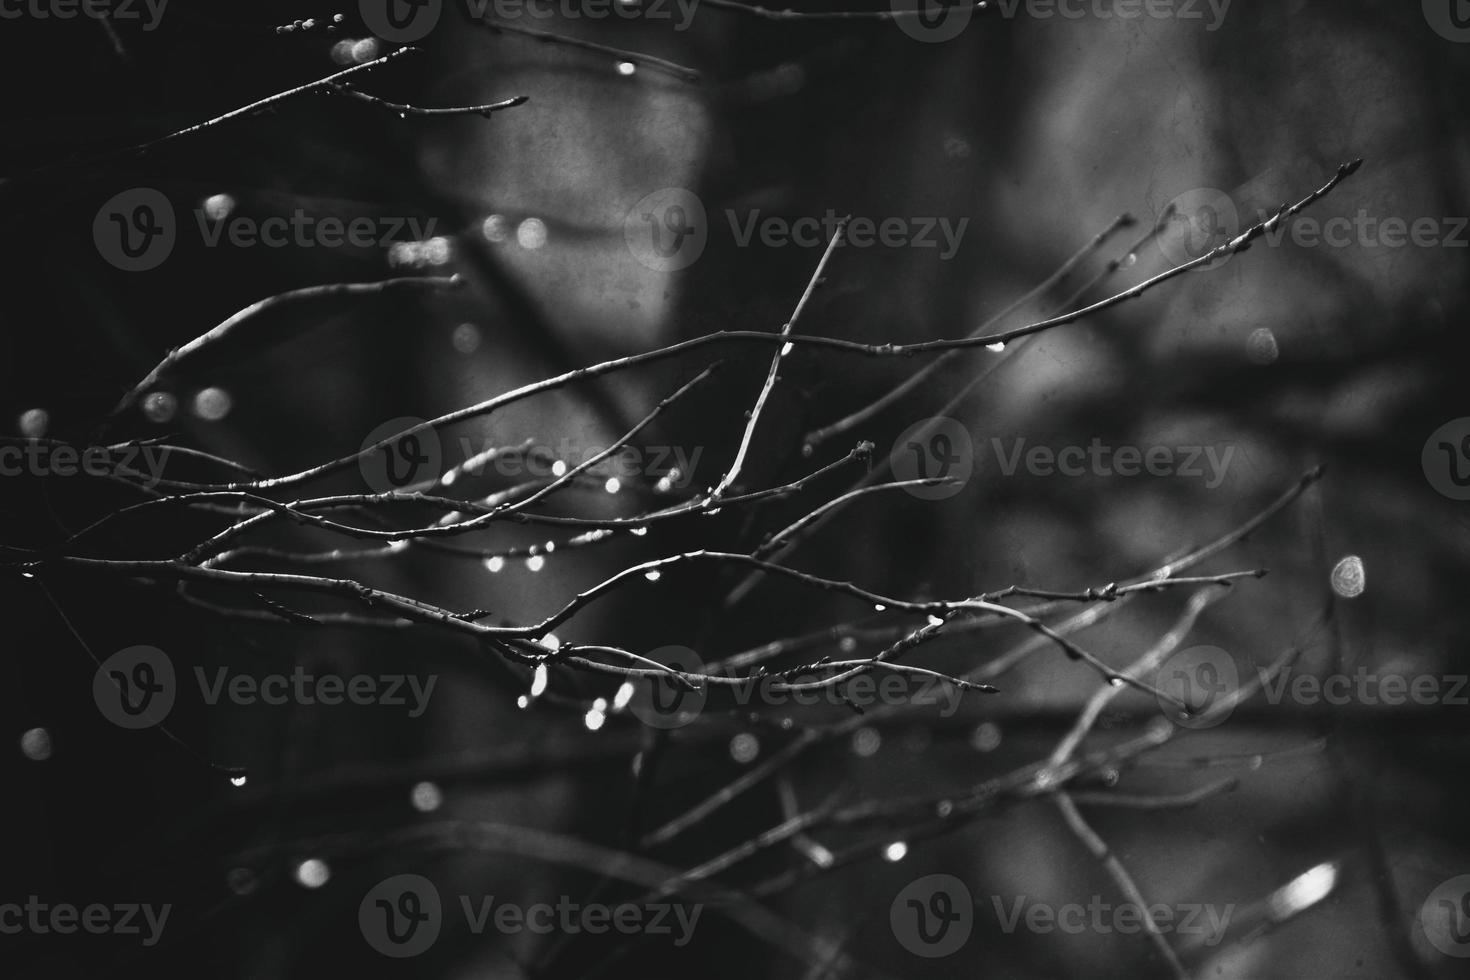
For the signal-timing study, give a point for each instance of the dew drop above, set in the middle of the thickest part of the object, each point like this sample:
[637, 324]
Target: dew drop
[426, 797]
[996, 347]
[744, 748]
[160, 407]
[1349, 577]
[494, 563]
[896, 851]
[539, 680]
[313, 873]
[34, 422]
[35, 744]
[653, 575]
[238, 781]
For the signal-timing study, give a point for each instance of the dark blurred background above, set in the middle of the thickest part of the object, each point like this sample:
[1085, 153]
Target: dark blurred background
[1040, 131]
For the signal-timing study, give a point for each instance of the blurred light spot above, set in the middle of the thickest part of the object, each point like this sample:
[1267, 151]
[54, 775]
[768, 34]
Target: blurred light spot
[34, 422]
[313, 873]
[342, 51]
[1349, 578]
[212, 404]
[466, 338]
[430, 252]
[896, 851]
[241, 881]
[744, 748]
[626, 68]
[494, 563]
[664, 485]
[596, 716]
[35, 744]
[426, 797]
[866, 741]
[1302, 892]
[624, 696]
[531, 233]
[957, 147]
[535, 563]
[160, 407]
[365, 49]
[1260, 346]
[613, 485]
[218, 207]
[944, 808]
[847, 644]
[496, 228]
[985, 737]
